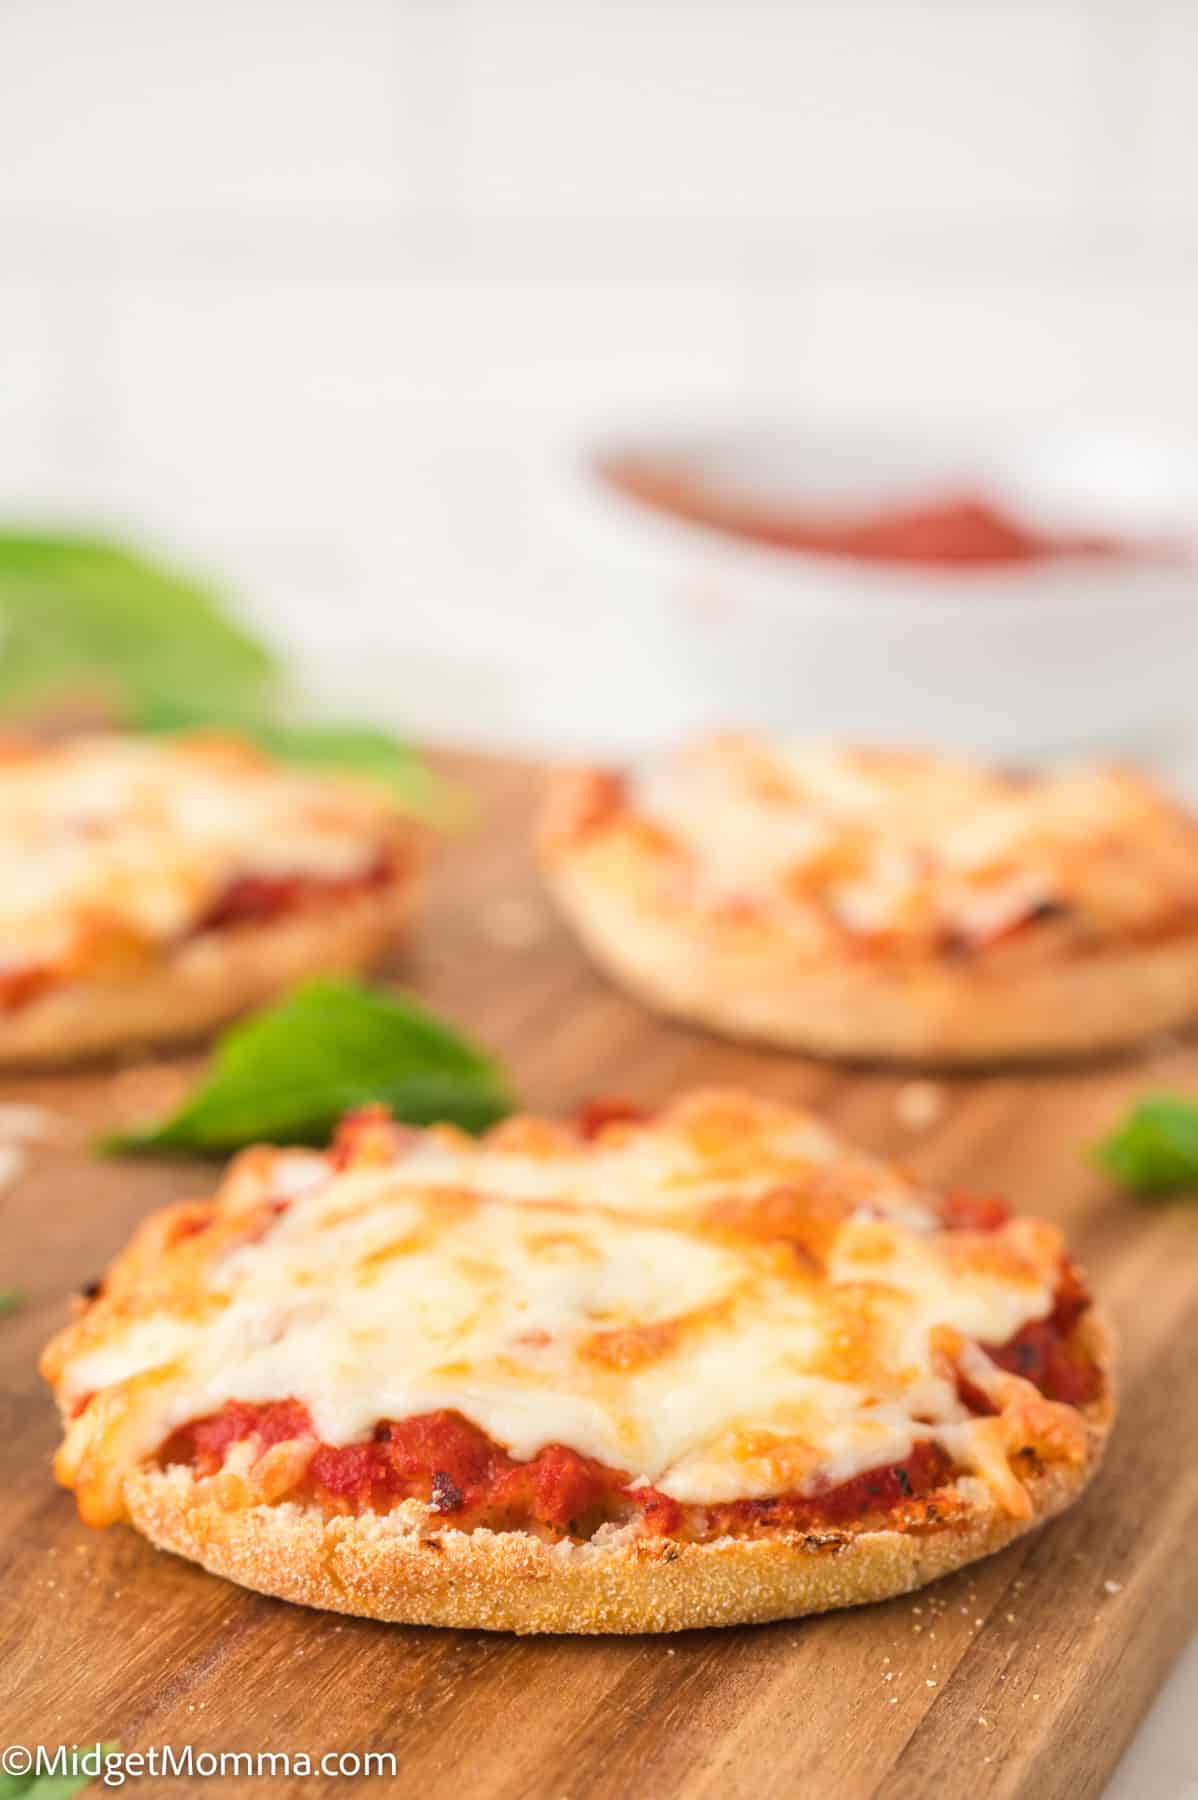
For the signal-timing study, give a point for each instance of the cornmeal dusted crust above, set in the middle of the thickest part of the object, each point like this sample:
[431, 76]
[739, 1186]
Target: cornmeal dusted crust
[730, 1214]
[861, 903]
[121, 851]
[413, 1571]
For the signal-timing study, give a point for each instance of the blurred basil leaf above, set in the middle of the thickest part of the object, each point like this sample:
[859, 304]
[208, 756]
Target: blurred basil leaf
[287, 1074]
[1154, 1148]
[75, 1776]
[77, 613]
[84, 618]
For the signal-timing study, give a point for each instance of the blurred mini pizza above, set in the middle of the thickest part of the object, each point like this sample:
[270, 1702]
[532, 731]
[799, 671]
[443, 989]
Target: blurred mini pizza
[625, 1374]
[872, 903]
[155, 887]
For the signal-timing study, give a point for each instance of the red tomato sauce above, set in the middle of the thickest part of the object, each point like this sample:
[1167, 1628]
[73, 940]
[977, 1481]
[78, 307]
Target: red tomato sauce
[962, 1211]
[949, 530]
[1047, 1352]
[592, 1118]
[369, 1135]
[454, 1467]
[257, 899]
[19, 986]
[879, 1491]
[439, 1458]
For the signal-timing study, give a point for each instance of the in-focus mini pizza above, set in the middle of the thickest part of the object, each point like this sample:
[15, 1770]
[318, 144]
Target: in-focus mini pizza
[623, 1375]
[152, 888]
[871, 903]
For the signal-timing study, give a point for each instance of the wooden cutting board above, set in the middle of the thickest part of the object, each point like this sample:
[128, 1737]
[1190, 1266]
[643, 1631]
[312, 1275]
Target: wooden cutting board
[1025, 1675]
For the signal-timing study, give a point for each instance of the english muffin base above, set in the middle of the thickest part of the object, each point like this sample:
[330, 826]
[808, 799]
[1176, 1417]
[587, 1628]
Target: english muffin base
[748, 981]
[407, 1568]
[205, 981]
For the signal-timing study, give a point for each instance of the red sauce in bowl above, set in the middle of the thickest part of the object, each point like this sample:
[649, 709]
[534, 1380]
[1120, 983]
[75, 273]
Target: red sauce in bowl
[948, 530]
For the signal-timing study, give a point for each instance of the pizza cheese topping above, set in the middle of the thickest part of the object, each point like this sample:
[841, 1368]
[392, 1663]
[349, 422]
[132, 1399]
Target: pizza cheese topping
[716, 1314]
[903, 851]
[115, 846]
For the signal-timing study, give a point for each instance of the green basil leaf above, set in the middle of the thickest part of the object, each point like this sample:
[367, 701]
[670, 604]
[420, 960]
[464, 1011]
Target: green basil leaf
[11, 1300]
[75, 1777]
[84, 618]
[1154, 1149]
[287, 1074]
[78, 613]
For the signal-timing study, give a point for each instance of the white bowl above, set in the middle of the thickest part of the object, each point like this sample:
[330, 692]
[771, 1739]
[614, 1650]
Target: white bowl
[1058, 656]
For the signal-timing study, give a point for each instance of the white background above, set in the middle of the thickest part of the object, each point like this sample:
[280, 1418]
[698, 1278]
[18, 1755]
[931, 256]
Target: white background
[316, 289]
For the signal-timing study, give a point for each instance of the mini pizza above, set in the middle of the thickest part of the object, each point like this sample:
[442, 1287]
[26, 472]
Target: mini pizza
[623, 1375]
[155, 887]
[878, 904]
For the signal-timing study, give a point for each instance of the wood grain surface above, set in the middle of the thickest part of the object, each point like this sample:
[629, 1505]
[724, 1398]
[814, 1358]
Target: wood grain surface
[1023, 1676]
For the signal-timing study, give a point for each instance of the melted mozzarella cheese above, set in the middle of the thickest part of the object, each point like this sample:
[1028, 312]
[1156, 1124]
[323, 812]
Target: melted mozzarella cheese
[578, 1300]
[690, 1160]
[148, 834]
[892, 842]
